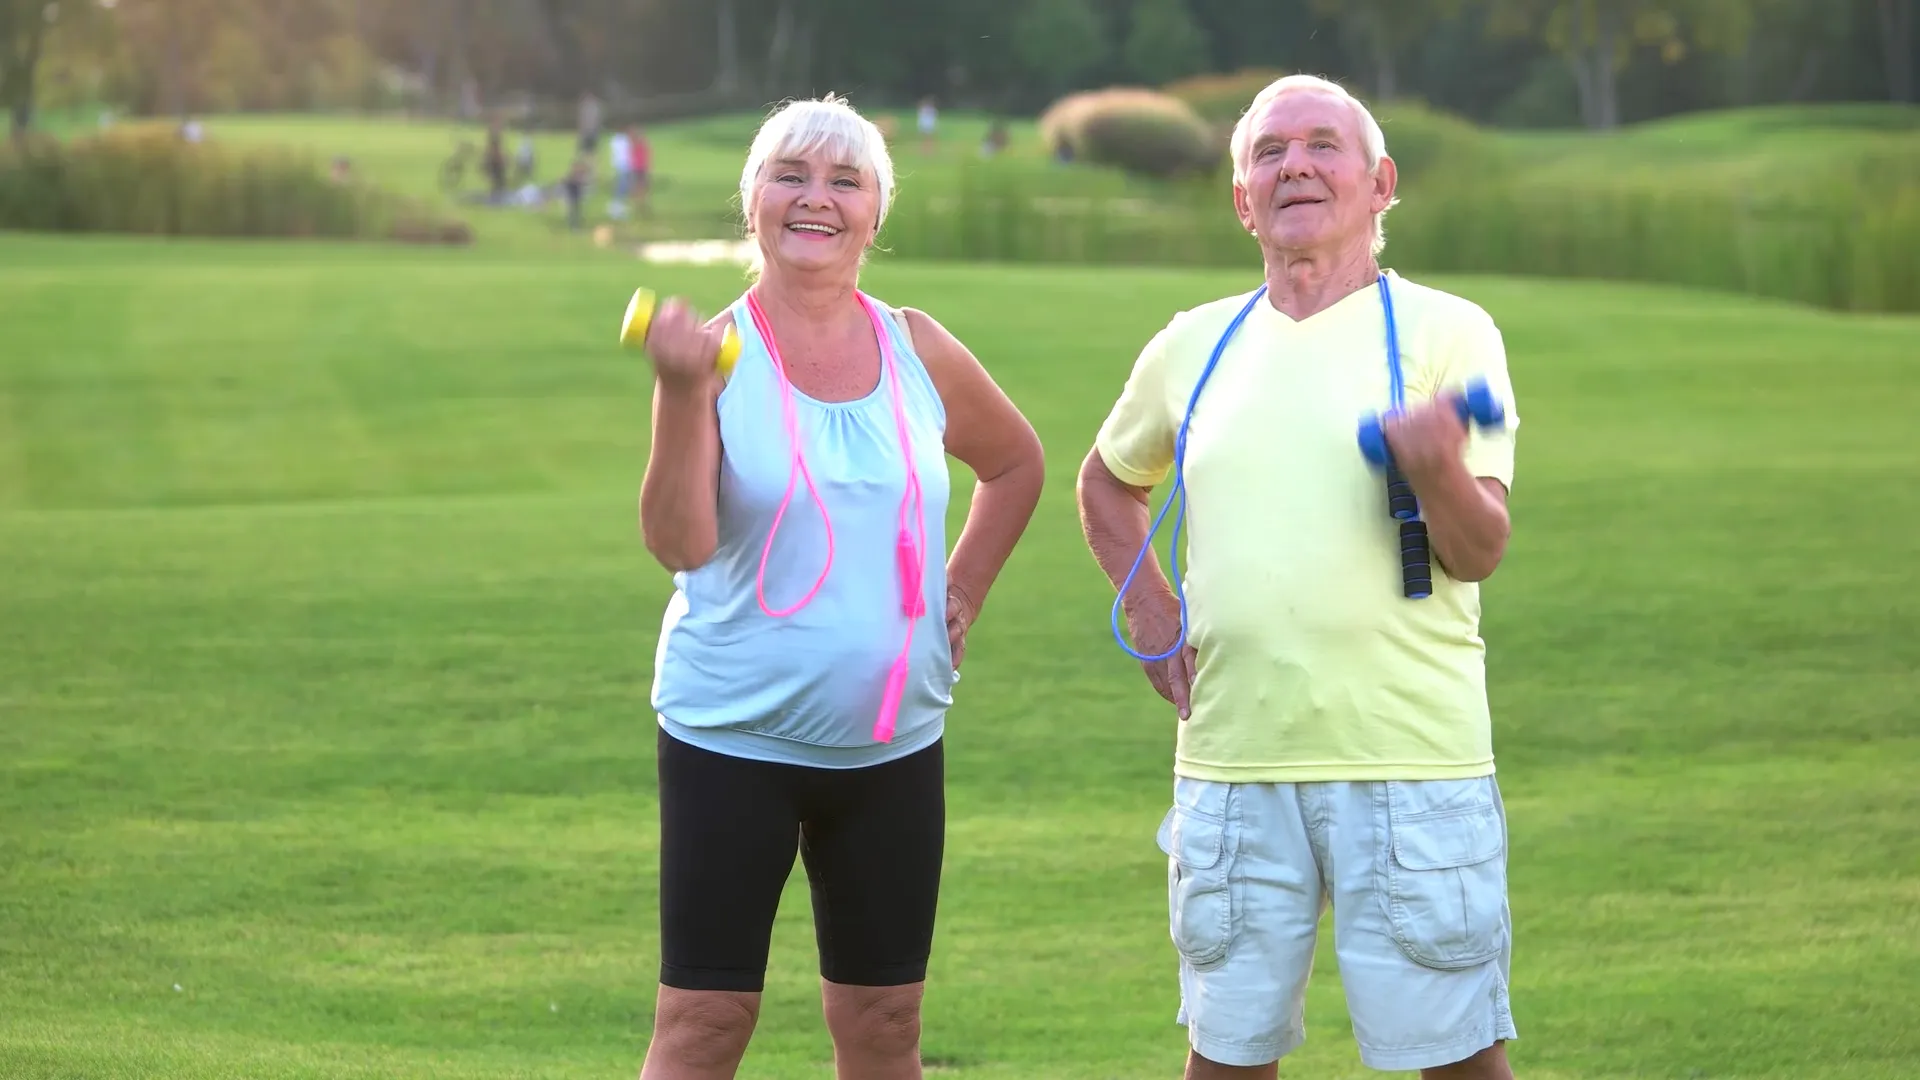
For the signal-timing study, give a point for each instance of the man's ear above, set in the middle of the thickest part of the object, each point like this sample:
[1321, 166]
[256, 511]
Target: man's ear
[1386, 181]
[1243, 209]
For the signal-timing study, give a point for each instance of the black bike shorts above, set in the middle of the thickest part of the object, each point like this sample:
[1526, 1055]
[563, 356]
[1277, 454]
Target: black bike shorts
[872, 840]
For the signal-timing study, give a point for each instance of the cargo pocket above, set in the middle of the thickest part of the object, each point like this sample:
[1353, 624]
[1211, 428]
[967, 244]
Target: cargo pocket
[1199, 885]
[1446, 872]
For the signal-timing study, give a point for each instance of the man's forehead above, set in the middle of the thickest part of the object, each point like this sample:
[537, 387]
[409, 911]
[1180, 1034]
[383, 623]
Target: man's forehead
[1307, 112]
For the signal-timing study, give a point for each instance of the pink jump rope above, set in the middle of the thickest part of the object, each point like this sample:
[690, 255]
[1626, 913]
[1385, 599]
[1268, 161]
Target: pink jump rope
[909, 555]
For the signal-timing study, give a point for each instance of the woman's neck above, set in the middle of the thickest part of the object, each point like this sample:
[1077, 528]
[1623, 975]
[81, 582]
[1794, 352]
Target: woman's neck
[808, 297]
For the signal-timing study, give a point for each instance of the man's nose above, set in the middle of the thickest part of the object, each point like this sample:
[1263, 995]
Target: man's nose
[1295, 161]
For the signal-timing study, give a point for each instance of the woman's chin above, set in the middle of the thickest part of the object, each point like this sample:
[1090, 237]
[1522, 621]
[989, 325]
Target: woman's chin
[801, 253]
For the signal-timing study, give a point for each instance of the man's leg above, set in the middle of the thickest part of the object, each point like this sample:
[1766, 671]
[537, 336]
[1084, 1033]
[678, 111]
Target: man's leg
[873, 844]
[1244, 898]
[1421, 927]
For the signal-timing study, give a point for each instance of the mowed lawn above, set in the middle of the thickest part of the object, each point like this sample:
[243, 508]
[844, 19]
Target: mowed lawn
[326, 637]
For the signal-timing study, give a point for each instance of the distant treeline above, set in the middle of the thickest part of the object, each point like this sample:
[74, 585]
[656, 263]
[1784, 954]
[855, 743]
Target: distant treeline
[1509, 62]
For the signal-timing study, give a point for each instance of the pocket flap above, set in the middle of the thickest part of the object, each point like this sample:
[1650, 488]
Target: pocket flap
[1192, 839]
[1448, 840]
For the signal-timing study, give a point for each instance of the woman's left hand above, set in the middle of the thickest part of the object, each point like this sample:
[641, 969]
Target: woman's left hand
[961, 612]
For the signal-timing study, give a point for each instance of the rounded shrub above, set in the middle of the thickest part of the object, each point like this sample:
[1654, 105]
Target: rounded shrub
[1135, 129]
[1219, 99]
[1421, 139]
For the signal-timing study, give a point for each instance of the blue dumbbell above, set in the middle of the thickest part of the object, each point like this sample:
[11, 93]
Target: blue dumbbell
[1477, 406]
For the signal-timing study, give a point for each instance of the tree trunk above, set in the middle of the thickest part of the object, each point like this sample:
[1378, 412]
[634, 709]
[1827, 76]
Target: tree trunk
[727, 78]
[173, 76]
[1580, 62]
[1896, 38]
[1802, 86]
[1594, 72]
[1385, 85]
[17, 79]
[572, 57]
[778, 77]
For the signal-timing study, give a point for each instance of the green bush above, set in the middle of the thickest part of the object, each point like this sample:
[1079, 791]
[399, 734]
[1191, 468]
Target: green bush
[1421, 139]
[1220, 99]
[1141, 131]
[146, 179]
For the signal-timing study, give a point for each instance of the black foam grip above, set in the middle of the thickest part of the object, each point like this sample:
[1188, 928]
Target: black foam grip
[1400, 499]
[1416, 569]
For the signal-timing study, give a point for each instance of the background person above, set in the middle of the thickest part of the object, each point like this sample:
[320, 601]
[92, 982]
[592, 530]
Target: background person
[769, 693]
[1335, 744]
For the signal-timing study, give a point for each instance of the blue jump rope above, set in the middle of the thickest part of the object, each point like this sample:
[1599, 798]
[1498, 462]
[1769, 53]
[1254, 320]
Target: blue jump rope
[1477, 405]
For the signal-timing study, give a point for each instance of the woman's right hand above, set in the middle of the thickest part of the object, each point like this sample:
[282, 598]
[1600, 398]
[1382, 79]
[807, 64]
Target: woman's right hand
[684, 350]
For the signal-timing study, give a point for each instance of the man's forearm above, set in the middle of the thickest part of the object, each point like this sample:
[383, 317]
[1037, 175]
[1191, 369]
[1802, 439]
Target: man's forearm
[1114, 519]
[1467, 524]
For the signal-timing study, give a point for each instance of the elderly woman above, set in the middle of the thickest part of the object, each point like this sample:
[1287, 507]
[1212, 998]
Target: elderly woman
[815, 634]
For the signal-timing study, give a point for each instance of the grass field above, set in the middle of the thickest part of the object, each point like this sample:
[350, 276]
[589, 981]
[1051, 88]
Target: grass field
[325, 641]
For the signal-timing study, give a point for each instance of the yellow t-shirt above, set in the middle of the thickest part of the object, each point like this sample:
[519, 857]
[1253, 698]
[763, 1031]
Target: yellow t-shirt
[1312, 664]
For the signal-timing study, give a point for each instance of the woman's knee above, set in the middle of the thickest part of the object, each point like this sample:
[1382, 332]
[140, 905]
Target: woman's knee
[704, 1028]
[881, 1021]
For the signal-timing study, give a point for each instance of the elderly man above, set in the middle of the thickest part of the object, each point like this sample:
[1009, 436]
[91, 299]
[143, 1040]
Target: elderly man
[1334, 741]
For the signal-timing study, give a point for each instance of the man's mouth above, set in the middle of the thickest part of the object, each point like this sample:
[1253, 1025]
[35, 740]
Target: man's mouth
[1300, 200]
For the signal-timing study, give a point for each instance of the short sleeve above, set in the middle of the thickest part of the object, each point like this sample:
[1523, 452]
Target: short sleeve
[1478, 351]
[1136, 440]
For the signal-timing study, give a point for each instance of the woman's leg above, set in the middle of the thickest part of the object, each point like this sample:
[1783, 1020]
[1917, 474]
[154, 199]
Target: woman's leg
[873, 843]
[728, 832]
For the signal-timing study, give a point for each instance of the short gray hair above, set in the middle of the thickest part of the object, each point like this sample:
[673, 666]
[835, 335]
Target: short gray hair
[798, 128]
[1373, 141]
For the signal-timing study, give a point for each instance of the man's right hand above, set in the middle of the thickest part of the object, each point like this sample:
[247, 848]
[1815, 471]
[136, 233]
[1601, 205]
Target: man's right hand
[1154, 625]
[683, 350]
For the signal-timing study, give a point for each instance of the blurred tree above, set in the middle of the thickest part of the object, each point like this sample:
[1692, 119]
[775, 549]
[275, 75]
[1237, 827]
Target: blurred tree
[1386, 30]
[1164, 43]
[27, 30]
[1597, 37]
[1896, 42]
[1057, 41]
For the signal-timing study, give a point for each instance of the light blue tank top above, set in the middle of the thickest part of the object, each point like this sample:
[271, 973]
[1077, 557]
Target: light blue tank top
[805, 689]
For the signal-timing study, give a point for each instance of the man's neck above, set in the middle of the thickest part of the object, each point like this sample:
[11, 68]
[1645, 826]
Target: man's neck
[810, 298]
[1303, 284]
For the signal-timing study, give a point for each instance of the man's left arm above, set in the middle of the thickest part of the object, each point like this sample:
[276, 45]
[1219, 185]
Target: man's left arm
[1462, 477]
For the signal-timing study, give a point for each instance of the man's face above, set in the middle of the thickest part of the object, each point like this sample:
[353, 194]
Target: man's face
[1305, 185]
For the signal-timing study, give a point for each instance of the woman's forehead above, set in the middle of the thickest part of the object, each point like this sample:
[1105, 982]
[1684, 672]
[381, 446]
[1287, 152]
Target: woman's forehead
[817, 157]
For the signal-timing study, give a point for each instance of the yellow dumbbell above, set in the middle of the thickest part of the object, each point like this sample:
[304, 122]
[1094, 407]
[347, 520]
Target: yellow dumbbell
[633, 331]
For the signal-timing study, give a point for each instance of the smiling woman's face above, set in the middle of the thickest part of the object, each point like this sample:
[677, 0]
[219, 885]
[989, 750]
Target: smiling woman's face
[1306, 185]
[813, 212]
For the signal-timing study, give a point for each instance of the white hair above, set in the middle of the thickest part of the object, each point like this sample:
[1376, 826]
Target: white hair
[829, 124]
[1372, 140]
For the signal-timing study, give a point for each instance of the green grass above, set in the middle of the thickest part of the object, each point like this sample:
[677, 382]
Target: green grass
[325, 641]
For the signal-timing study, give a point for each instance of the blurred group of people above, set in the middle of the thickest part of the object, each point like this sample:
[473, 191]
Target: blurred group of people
[629, 157]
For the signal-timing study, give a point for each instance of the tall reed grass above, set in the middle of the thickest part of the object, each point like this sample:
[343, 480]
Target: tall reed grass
[1844, 236]
[146, 179]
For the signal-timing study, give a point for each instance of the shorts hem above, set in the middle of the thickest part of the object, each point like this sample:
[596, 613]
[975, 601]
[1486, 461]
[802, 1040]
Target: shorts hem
[732, 980]
[1359, 772]
[1244, 1055]
[1435, 1055]
[892, 975]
